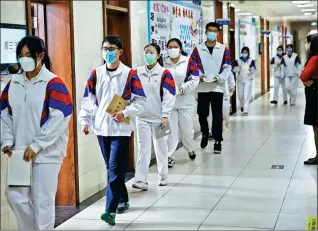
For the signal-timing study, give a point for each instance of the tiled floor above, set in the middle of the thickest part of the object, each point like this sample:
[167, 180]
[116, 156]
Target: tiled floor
[237, 190]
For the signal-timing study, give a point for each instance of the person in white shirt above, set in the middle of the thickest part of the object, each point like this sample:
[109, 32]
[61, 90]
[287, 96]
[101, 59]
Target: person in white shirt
[278, 77]
[159, 87]
[229, 91]
[186, 76]
[245, 69]
[291, 69]
[113, 134]
[213, 60]
[36, 108]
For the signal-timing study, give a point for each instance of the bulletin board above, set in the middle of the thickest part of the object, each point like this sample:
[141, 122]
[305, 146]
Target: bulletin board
[248, 37]
[175, 19]
[275, 40]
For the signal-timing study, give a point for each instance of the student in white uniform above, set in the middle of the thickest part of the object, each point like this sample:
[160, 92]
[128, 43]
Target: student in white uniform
[245, 69]
[159, 86]
[278, 77]
[186, 76]
[291, 69]
[113, 135]
[36, 107]
[229, 91]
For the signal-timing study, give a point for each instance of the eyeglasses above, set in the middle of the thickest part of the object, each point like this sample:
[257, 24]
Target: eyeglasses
[109, 48]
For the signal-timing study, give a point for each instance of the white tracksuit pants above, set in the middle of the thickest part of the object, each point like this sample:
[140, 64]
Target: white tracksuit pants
[291, 85]
[34, 207]
[244, 93]
[145, 132]
[277, 82]
[183, 119]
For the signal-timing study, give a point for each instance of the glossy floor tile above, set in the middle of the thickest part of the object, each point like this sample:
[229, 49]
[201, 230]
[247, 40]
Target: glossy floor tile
[237, 190]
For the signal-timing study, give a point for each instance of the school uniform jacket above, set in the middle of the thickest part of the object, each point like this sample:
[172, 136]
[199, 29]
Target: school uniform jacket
[291, 66]
[159, 86]
[216, 65]
[36, 113]
[101, 87]
[186, 76]
[276, 66]
[241, 67]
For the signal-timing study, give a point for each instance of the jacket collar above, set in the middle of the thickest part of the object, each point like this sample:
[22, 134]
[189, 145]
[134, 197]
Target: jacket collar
[42, 76]
[204, 46]
[112, 73]
[181, 60]
[154, 71]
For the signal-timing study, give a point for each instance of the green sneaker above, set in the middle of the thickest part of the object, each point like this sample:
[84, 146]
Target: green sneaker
[108, 218]
[122, 207]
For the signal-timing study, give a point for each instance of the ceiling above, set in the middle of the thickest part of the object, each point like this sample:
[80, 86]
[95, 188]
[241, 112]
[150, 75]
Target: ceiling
[275, 10]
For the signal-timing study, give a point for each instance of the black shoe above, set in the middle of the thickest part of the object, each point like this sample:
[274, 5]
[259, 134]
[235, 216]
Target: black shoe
[204, 141]
[242, 109]
[285, 102]
[274, 102]
[192, 155]
[210, 136]
[171, 162]
[217, 148]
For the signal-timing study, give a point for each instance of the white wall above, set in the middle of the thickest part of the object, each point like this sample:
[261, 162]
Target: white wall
[11, 12]
[88, 36]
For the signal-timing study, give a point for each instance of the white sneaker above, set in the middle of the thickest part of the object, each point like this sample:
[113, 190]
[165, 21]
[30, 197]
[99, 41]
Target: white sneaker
[140, 185]
[162, 182]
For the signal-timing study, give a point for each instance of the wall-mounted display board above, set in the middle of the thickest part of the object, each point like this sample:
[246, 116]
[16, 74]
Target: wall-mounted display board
[175, 19]
[248, 37]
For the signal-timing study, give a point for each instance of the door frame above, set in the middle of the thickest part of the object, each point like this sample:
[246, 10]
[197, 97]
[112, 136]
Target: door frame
[29, 22]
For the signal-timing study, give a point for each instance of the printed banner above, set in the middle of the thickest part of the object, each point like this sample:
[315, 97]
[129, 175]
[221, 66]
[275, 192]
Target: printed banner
[248, 38]
[175, 20]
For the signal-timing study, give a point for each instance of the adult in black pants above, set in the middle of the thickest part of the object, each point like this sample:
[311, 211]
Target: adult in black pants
[309, 77]
[214, 63]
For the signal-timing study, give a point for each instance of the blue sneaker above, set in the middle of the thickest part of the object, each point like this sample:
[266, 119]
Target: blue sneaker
[122, 207]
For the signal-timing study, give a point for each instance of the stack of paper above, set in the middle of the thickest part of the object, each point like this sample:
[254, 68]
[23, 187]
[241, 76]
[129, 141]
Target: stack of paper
[118, 104]
[19, 171]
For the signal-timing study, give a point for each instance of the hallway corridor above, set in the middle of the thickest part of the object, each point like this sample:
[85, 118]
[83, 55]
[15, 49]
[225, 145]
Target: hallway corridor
[235, 190]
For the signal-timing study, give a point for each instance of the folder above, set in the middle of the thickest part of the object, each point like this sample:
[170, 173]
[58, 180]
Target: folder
[19, 171]
[118, 104]
[161, 131]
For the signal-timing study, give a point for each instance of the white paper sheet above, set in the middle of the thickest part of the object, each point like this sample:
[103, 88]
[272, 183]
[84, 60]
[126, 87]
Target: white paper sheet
[19, 171]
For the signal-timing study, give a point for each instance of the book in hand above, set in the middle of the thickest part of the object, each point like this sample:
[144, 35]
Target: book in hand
[19, 171]
[161, 131]
[118, 104]
[209, 80]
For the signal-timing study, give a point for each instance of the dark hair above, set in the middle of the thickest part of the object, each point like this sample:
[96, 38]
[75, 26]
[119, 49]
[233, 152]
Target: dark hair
[114, 40]
[179, 44]
[246, 49]
[212, 24]
[290, 46]
[313, 50]
[160, 60]
[36, 46]
[280, 47]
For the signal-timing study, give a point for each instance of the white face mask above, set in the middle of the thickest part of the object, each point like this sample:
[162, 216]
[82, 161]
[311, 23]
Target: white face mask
[28, 64]
[174, 52]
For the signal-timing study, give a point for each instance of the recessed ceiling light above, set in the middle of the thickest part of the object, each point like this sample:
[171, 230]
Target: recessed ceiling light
[237, 10]
[305, 5]
[300, 2]
[308, 10]
[244, 14]
[307, 14]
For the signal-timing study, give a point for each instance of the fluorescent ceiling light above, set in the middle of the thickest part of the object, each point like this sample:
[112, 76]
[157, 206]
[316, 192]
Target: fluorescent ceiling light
[244, 14]
[314, 24]
[307, 14]
[308, 10]
[237, 10]
[300, 2]
[306, 5]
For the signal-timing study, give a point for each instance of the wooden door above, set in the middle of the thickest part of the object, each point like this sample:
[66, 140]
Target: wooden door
[268, 70]
[219, 15]
[231, 14]
[54, 26]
